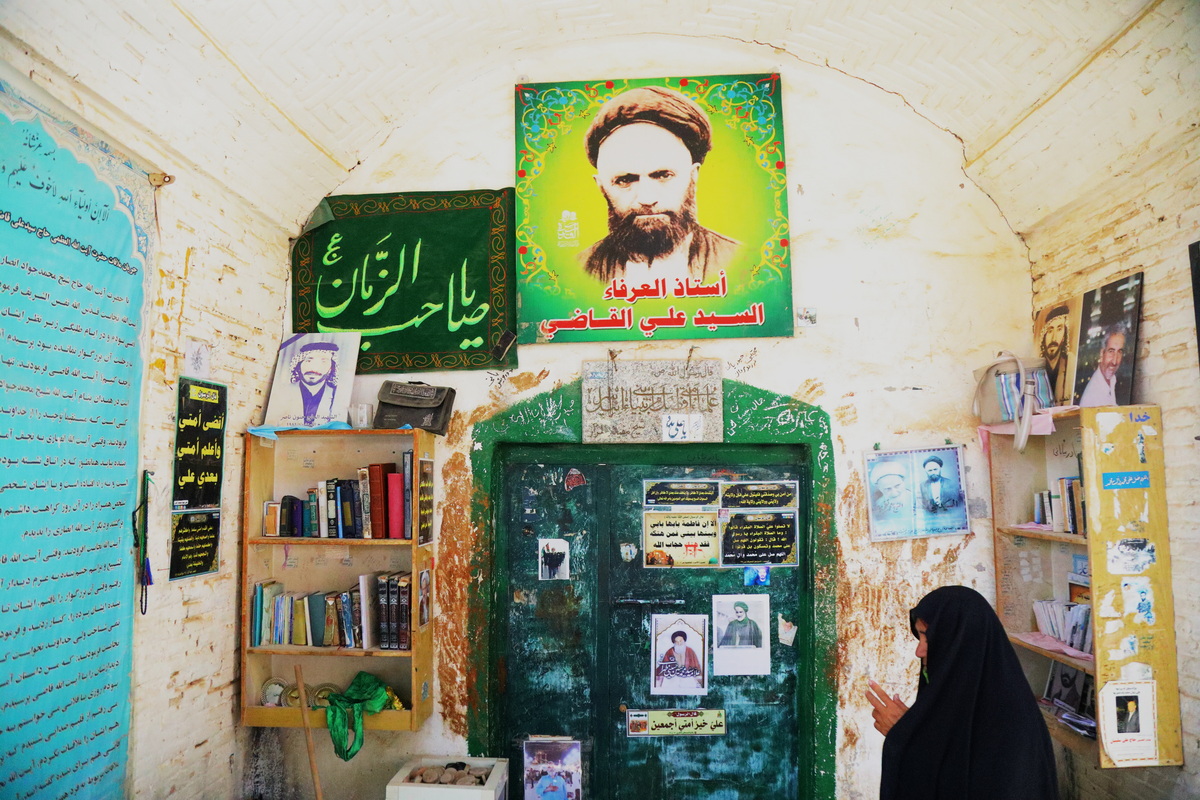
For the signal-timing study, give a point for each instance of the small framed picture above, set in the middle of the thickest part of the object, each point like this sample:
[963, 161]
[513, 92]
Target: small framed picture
[1064, 686]
[915, 493]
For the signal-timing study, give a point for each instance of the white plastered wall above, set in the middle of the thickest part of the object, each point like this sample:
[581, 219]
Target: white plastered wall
[911, 269]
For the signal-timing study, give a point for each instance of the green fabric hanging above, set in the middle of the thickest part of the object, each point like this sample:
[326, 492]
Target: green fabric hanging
[345, 711]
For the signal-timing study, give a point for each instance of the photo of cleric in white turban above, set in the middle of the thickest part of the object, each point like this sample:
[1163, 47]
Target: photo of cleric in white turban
[648, 145]
[892, 502]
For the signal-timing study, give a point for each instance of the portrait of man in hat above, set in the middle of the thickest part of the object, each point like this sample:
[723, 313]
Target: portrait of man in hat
[1052, 330]
[892, 502]
[313, 378]
[652, 208]
[647, 145]
[939, 491]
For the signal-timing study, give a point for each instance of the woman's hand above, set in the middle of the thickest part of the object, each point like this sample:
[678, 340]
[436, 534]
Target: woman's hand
[887, 709]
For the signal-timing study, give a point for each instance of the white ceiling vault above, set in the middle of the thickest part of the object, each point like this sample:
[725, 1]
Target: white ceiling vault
[280, 99]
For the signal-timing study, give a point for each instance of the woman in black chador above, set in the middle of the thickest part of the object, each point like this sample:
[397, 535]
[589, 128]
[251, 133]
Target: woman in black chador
[974, 731]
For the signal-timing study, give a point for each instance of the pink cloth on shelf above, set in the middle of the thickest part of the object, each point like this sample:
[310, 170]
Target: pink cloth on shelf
[1047, 642]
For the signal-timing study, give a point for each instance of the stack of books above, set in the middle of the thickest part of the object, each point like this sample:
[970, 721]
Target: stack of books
[374, 504]
[375, 613]
[1062, 507]
[1070, 623]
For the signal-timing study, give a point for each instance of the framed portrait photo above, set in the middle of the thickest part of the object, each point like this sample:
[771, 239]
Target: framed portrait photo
[1108, 335]
[916, 493]
[314, 376]
[652, 208]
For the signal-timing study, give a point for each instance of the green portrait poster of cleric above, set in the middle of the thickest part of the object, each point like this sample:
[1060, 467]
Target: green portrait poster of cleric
[652, 209]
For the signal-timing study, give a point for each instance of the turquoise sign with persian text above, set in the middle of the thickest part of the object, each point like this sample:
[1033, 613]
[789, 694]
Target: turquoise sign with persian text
[75, 219]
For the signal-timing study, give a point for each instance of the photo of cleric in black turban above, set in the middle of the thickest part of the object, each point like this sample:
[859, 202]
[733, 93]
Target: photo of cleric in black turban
[647, 145]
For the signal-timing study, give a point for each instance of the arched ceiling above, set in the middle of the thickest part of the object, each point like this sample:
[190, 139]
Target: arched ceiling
[279, 99]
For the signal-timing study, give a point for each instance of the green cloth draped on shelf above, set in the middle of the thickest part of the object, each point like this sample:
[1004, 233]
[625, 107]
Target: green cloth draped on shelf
[366, 693]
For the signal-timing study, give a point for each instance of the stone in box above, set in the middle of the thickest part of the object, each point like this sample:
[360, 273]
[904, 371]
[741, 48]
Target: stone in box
[494, 789]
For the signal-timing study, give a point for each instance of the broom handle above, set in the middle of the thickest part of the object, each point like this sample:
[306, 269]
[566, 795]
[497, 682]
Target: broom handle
[308, 737]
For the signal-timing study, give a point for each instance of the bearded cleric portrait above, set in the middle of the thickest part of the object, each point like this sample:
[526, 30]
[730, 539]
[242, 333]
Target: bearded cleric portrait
[647, 146]
[652, 209]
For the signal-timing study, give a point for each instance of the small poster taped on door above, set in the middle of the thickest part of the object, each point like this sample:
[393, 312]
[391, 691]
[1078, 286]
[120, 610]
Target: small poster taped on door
[676, 722]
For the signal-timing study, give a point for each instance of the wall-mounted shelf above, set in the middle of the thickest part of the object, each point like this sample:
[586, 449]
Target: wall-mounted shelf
[292, 464]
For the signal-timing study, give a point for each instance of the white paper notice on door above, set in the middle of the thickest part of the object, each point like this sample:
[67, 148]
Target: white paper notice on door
[741, 634]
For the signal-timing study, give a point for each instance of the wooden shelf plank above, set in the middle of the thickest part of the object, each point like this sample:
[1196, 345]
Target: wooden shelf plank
[270, 717]
[296, 650]
[305, 541]
[1049, 536]
[1087, 666]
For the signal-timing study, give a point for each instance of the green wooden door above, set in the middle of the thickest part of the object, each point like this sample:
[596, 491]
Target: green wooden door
[577, 630]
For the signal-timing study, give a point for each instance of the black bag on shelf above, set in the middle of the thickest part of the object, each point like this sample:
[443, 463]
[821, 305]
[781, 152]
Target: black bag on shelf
[416, 404]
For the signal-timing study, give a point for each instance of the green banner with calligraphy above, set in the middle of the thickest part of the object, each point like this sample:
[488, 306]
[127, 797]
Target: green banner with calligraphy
[425, 277]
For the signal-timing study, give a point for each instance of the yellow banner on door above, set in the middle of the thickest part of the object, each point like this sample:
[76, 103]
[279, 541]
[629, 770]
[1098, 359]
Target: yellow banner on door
[676, 722]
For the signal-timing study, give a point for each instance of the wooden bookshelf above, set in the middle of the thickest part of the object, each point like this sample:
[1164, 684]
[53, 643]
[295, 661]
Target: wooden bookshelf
[291, 464]
[1117, 452]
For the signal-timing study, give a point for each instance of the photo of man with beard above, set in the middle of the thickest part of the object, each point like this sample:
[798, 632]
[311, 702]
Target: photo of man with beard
[312, 378]
[647, 145]
[1054, 341]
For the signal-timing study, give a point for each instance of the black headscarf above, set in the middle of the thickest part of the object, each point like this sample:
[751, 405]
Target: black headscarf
[974, 731]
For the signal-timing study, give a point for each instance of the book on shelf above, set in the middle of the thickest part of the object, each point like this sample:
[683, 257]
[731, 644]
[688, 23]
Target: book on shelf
[377, 475]
[266, 626]
[356, 509]
[1080, 506]
[345, 509]
[279, 618]
[298, 622]
[406, 470]
[331, 509]
[381, 610]
[291, 522]
[331, 635]
[1082, 579]
[270, 518]
[404, 611]
[264, 592]
[314, 617]
[356, 615]
[1069, 623]
[322, 520]
[395, 502]
[1058, 522]
[346, 618]
[364, 508]
[1071, 492]
[256, 615]
[310, 515]
[368, 590]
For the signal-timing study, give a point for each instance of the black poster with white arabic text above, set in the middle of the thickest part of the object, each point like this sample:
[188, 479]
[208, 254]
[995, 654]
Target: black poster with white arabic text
[199, 445]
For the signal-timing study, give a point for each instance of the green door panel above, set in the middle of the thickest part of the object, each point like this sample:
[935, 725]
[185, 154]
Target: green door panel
[573, 657]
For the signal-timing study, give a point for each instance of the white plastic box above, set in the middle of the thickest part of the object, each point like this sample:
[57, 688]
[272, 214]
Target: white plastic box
[494, 789]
